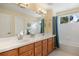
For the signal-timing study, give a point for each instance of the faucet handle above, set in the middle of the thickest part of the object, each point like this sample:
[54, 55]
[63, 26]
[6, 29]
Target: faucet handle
[19, 36]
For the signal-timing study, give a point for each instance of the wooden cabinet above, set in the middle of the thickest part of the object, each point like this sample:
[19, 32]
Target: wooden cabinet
[38, 43]
[13, 52]
[50, 45]
[28, 53]
[38, 51]
[38, 48]
[27, 50]
[44, 47]
[41, 48]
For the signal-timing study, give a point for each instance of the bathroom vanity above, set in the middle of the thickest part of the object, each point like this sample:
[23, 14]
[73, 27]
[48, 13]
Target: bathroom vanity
[32, 46]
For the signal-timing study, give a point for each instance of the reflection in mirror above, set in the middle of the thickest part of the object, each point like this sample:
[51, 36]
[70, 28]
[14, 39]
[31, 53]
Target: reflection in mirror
[19, 24]
[33, 27]
[12, 24]
[6, 25]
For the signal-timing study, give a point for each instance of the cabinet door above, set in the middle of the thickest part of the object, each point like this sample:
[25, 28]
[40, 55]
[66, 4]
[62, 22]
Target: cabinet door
[45, 48]
[26, 48]
[10, 53]
[28, 53]
[38, 43]
[50, 45]
[38, 48]
[38, 51]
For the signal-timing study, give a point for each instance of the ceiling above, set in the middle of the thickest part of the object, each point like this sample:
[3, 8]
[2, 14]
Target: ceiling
[56, 7]
[16, 8]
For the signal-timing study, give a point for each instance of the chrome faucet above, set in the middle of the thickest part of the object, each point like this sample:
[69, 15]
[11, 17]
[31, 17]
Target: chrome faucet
[20, 36]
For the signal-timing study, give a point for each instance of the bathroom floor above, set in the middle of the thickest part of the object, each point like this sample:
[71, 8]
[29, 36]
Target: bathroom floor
[65, 50]
[59, 52]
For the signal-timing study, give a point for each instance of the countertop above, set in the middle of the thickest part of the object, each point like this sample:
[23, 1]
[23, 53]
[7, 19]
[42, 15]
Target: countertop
[13, 42]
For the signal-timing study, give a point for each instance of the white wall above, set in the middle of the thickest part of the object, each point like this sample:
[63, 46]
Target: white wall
[69, 32]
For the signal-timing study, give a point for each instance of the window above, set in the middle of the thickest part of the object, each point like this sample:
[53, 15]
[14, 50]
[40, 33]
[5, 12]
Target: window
[70, 18]
[74, 18]
[64, 20]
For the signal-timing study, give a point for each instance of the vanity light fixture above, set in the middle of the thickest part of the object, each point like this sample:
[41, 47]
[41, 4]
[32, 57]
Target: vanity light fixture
[41, 11]
[23, 5]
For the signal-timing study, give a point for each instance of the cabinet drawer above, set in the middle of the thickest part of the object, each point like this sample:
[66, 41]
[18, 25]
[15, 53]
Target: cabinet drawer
[26, 48]
[13, 52]
[45, 41]
[38, 43]
[38, 50]
[28, 53]
[50, 40]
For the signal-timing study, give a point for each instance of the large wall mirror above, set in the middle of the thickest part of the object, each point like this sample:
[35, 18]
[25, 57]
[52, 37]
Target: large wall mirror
[15, 20]
[13, 25]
